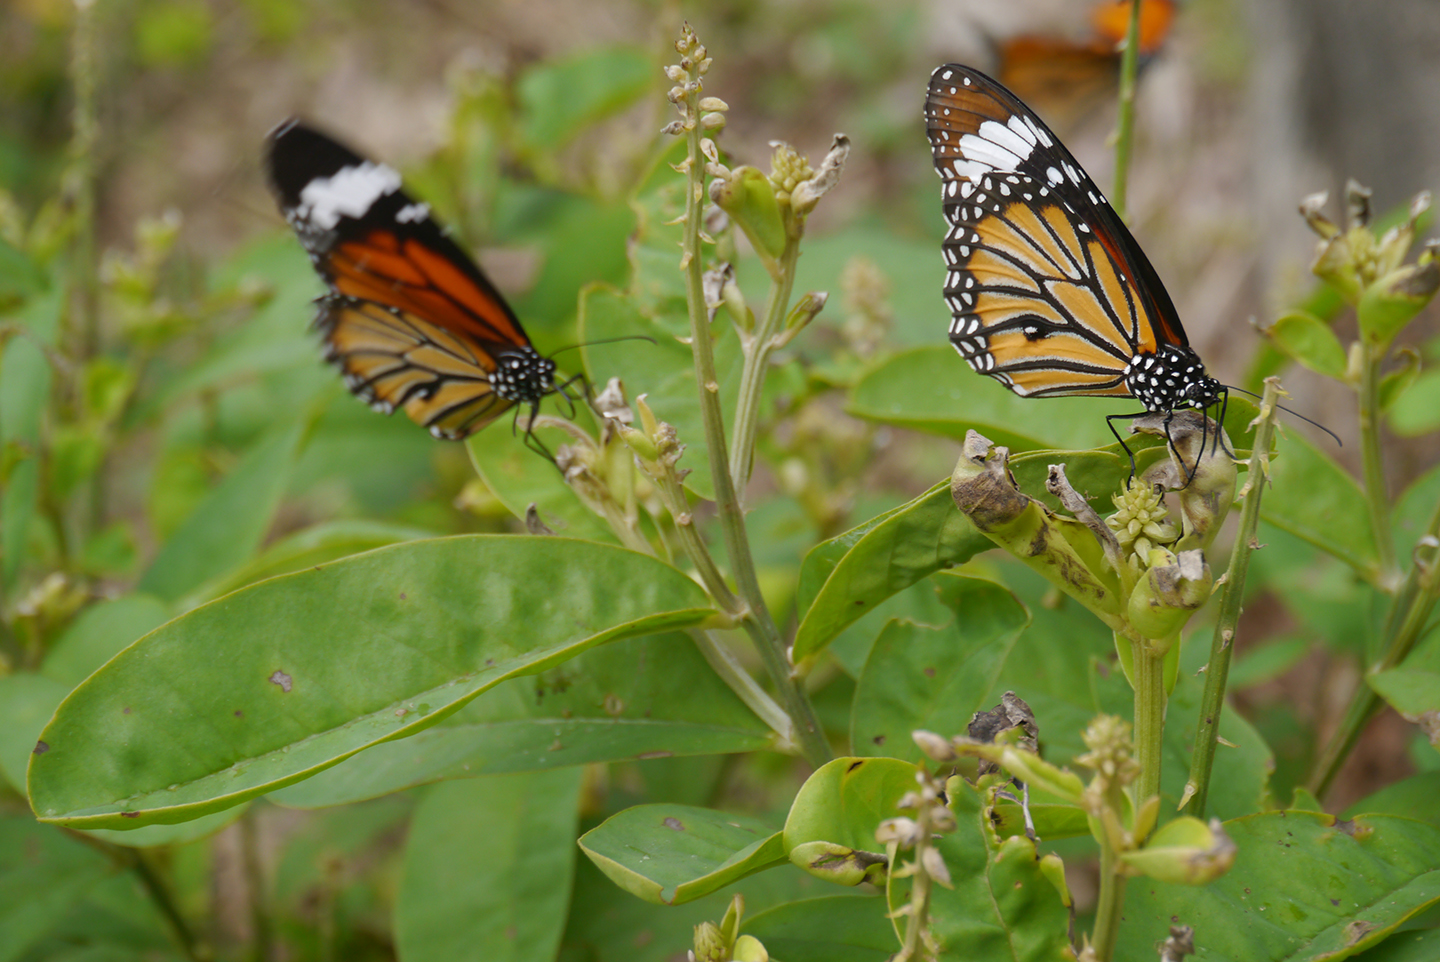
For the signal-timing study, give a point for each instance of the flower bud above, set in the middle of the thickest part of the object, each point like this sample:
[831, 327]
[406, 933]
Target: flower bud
[710, 944]
[904, 832]
[1171, 590]
[1185, 851]
[749, 197]
[749, 949]
[808, 193]
[937, 748]
[1394, 300]
[934, 865]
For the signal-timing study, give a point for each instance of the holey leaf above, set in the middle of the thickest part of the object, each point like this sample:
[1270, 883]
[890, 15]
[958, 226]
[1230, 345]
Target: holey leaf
[273, 683]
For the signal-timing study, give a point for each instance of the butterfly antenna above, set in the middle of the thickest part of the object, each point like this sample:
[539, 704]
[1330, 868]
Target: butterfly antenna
[1302, 417]
[606, 340]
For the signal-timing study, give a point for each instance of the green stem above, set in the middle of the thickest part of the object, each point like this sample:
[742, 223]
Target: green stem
[1125, 126]
[759, 345]
[1109, 904]
[255, 885]
[1376, 494]
[1217, 671]
[1149, 717]
[1408, 617]
[134, 860]
[756, 616]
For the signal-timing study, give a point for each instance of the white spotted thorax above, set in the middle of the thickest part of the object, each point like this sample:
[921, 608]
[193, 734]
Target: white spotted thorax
[523, 375]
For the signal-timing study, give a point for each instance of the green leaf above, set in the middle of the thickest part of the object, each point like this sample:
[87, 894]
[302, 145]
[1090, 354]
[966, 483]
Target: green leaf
[672, 854]
[173, 33]
[922, 677]
[931, 389]
[1417, 411]
[316, 545]
[830, 831]
[1413, 511]
[1304, 885]
[43, 874]
[559, 98]
[1407, 946]
[27, 703]
[280, 680]
[18, 510]
[837, 928]
[1413, 797]
[228, 526]
[488, 862]
[905, 546]
[1399, 380]
[1310, 341]
[20, 277]
[519, 478]
[1002, 905]
[1408, 689]
[99, 633]
[1315, 499]
[638, 698]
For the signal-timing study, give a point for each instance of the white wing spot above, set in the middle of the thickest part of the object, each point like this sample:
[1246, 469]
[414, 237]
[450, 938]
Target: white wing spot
[349, 192]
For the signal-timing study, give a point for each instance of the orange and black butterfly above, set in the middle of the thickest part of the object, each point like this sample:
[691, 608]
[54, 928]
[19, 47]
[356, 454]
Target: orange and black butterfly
[1067, 77]
[409, 318]
[1050, 293]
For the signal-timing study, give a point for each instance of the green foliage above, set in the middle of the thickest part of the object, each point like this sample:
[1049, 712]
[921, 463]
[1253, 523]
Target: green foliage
[235, 601]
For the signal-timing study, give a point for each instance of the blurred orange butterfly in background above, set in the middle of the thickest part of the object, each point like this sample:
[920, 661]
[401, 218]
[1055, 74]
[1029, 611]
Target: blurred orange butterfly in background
[410, 319]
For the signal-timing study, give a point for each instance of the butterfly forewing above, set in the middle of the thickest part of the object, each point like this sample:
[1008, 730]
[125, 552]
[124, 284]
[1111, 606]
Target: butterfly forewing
[1051, 294]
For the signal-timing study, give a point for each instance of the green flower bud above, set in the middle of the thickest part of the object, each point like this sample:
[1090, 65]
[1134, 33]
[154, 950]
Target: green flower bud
[1185, 851]
[808, 193]
[751, 200]
[749, 949]
[1394, 300]
[839, 863]
[730, 924]
[710, 944]
[1171, 590]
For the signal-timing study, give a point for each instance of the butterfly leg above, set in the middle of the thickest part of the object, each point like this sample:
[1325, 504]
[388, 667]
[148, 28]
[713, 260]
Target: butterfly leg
[1110, 420]
[531, 441]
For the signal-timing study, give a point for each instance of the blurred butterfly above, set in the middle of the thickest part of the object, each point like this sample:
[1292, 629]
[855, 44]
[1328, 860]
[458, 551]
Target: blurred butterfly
[410, 319]
[1066, 77]
[1050, 293]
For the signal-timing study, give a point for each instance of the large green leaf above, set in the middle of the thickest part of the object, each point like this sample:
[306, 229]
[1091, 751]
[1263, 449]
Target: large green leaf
[836, 928]
[1304, 886]
[905, 546]
[671, 854]
[484, 857]
[1413, 797]
[560, 97]
[645, 697]
[280, 680]
[43, 874]
[830, 831]
[229, 525]
[99, 634]
[931, 389]
[1314, 498]
[918, 676]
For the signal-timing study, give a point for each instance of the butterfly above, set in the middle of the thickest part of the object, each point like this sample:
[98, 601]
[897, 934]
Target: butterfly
[409, 318]
[1049, 292]
[1069, 77]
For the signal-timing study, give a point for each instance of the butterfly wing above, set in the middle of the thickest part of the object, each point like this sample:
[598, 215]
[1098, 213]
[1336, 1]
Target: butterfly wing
[411, 320]
[1050, 292]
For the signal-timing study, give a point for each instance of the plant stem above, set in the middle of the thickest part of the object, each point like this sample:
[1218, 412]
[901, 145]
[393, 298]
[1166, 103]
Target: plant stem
[759, 345]
[1217, 671]
[1149, 717]
[756, 616]
[1376, 494]
[134, 860]
[1409, 615]
[1125, 126]
[255, 886]
[1109, 904]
